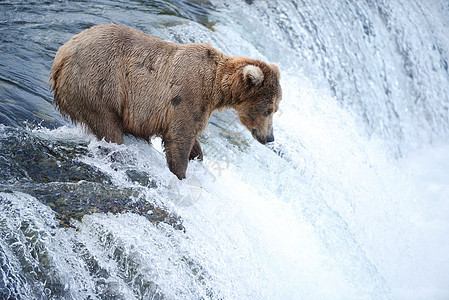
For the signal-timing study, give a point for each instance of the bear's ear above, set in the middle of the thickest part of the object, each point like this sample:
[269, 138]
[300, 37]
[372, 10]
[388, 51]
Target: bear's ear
[275, 68]
[253, 75]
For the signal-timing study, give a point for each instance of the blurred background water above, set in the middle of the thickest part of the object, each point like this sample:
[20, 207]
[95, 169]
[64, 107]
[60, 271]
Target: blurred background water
[350, 202]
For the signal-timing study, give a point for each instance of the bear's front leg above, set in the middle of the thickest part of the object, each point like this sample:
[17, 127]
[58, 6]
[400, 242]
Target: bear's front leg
[196, 151]
[177, 151]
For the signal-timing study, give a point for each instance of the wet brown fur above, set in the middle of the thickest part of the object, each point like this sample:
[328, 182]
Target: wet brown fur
[117, 80]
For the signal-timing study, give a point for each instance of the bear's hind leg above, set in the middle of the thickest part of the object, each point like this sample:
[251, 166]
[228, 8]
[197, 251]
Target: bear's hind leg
[108, 127]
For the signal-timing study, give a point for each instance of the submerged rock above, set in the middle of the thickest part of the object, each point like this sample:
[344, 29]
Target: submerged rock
[52, 171]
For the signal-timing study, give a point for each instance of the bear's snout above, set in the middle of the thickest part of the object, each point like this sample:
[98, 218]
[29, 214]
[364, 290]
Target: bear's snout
[270, 138]
[263, 139]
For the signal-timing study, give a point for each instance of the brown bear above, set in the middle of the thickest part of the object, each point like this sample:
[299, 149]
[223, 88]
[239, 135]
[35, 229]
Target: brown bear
[117, 80]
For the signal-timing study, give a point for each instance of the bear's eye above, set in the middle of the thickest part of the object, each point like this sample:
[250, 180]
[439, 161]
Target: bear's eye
[267, 113]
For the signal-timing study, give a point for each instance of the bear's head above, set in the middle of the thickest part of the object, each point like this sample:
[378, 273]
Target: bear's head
[255, 92]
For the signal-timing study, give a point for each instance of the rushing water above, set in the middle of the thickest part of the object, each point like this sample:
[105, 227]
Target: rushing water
[350, 202]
